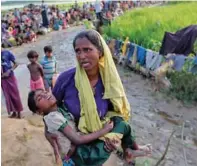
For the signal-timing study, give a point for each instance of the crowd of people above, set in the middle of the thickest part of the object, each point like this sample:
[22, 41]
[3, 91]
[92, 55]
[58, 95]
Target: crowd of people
[24, 25]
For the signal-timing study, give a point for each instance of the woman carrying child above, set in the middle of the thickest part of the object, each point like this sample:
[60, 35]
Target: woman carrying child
[93, 93]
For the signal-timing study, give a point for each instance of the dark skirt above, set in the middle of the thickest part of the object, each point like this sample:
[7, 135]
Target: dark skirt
[11, 93]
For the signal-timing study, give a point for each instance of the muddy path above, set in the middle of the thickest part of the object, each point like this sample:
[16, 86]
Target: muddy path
[154, 115]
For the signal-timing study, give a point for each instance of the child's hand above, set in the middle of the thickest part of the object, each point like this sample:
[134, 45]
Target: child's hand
[58, 160]
[109, 126]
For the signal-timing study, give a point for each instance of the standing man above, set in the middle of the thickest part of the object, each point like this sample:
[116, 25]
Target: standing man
[9, 84]
[98, 9]
[45, 19]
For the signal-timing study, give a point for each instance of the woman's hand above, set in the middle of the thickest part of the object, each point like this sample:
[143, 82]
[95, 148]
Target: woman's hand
[111, 144]
[6, 74]
[109, 126]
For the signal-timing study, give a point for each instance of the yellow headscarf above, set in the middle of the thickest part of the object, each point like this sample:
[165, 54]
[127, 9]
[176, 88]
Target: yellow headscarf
[114, 91]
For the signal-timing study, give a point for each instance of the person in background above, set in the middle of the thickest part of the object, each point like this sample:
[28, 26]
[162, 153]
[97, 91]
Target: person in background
[17, 14]
[98, 8]
[5, 39]
[56, 25]
[9, 84]
[36, 71]
[45, 19]
[49, 67]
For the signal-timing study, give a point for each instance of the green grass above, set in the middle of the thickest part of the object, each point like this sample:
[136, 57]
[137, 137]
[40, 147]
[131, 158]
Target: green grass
[68, 5]
[146, 26]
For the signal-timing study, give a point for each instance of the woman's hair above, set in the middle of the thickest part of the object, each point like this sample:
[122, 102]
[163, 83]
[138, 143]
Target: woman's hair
[92, 36]
[31, 102]
[31, 53]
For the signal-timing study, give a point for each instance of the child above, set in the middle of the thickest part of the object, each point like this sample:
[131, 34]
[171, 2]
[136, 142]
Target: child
[36, 71]
[49, 67]
[28, 34]
[32, 36]
[61, 123]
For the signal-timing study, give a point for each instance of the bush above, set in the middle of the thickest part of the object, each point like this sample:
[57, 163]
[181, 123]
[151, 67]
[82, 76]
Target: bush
[184, 86]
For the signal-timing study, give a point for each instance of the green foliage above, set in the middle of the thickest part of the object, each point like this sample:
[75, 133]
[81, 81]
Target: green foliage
[146, 27]
[68, 5]
[184, 86]
[88, 24]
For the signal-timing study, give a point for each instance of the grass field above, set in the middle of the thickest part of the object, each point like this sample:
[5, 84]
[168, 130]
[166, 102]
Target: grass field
[146, 26]
[68, 5]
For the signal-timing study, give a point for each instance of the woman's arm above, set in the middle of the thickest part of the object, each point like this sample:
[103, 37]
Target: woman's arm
[12, 59]
[14, 66]
[83, 139]
[7, 73]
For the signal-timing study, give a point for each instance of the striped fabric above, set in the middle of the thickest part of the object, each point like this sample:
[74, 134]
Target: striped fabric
[49, 66]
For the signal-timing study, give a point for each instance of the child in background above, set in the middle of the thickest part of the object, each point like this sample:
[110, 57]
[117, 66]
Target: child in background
[61, 123]
[36, 71]
[33, 36]
[49, 67]
[28, 34]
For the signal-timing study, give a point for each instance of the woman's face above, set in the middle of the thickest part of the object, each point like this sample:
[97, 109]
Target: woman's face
[87, 54]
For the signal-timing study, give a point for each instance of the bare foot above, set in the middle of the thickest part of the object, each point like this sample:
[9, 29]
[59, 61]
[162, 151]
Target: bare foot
[130, 154]
[13, 115]
[146, 148]
[19, 116]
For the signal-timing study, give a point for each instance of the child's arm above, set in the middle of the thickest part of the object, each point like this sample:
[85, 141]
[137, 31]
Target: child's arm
[41, 70]
[29, 68]
[52, 139]
[55, 66]
[83, 139]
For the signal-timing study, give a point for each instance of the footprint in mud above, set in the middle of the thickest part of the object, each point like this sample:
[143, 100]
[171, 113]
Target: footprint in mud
[35, 121]
[24, 137]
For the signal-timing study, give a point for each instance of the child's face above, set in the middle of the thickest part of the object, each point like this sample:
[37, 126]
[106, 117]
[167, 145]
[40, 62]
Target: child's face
[44, 101]
[34, 58]
[49, 54]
